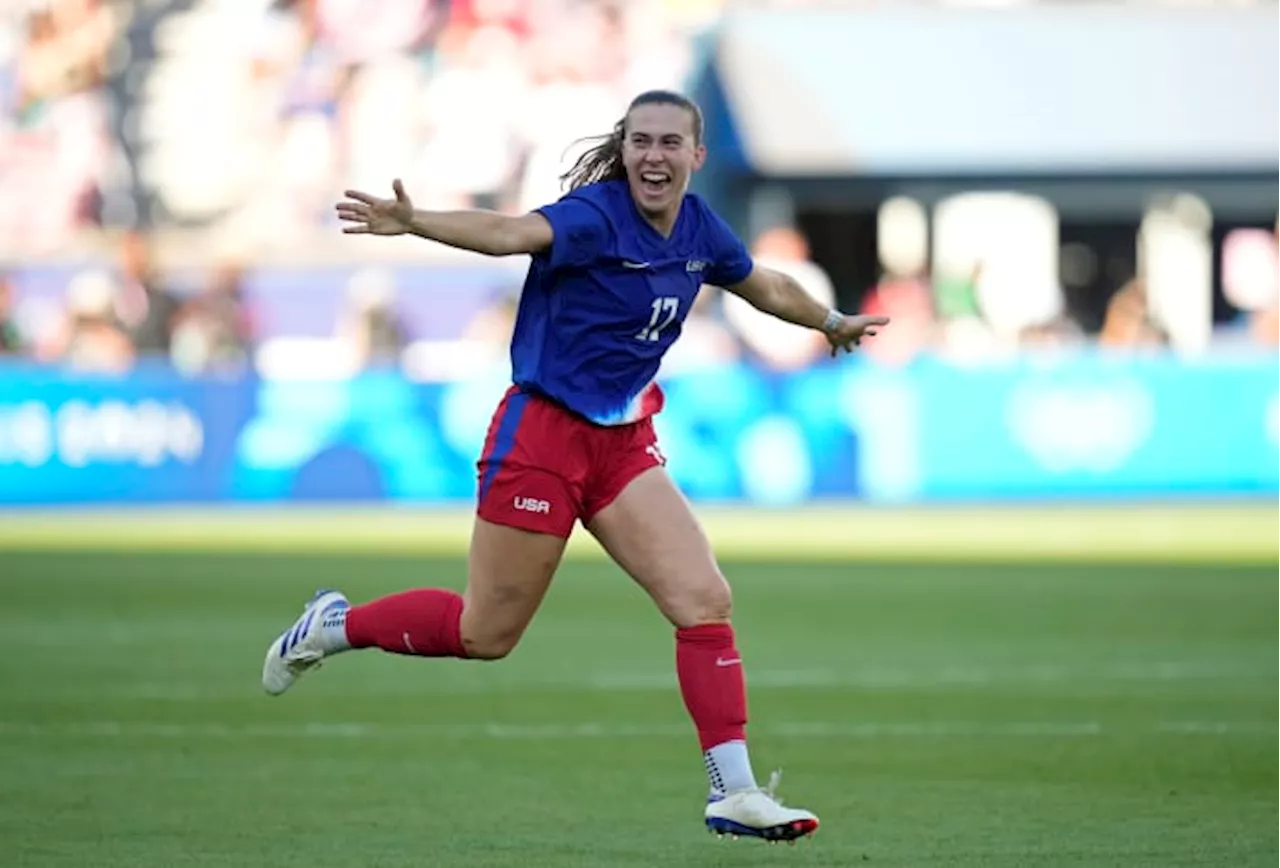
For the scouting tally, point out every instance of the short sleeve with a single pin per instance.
(580, 232)
(732, 263)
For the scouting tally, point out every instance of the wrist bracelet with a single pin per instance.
(833, 321)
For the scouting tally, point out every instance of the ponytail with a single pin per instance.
(602, 162)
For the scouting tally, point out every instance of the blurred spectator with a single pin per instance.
(144, 303)
(55, 144)
(493, 323)
(576, 60)
(659, 42)
(370, 327)
(1266, 323)
(1128, 322)
(1059, 333)
(469, 156)
(304, 73)
(1264, 327)
(1250, 268)
(91, 339)
(212, 331)
(362, 31)
(779, 344)
(10, 339)
(907, 302)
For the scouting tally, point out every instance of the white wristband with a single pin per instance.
(833, 321)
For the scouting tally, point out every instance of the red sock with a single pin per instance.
(712, 683)
(426, 622)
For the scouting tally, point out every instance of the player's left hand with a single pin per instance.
(852, 330)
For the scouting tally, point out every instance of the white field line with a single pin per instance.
(872, 677)
(859, 678)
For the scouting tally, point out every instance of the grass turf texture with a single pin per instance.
(932, 714)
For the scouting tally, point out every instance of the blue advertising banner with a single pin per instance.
(1076, 426)
(1087, 426)
(150, 437)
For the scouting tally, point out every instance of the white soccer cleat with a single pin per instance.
(757, 813)
(299, 648)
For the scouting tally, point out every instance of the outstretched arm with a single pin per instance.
(780, 295)
(486, 232)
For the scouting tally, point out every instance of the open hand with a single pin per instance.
(852, 330)
(374, 216)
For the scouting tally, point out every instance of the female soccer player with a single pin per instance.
(616, 264)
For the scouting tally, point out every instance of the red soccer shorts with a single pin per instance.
(544, 467)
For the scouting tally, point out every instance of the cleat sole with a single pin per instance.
(789, 832)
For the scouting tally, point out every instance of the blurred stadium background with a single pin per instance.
(1073, 231)
(1030, 530)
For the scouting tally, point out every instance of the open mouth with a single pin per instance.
(654, 183)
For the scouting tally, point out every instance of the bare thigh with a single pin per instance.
(508, 574)
(652, 533)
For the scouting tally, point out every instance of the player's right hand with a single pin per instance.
(374, 216)
(852, 330)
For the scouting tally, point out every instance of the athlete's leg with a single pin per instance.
(653, 535)
(649, 529)
(524, 517)
(508, 573)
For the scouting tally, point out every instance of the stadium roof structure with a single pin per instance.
(935, 94)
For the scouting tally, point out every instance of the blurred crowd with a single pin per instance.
(245, 115)
(104, 320)
(107, 318)
(242, 117)
(57, 151)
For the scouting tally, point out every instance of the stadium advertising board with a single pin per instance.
(1085, 427)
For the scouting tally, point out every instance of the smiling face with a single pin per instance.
(660, 151)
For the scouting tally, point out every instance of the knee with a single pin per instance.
(708, 602)
(487, 645)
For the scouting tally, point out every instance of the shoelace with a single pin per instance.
(771, 789)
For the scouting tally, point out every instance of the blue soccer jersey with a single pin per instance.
(603, 304)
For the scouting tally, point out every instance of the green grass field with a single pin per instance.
(1030, 712)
